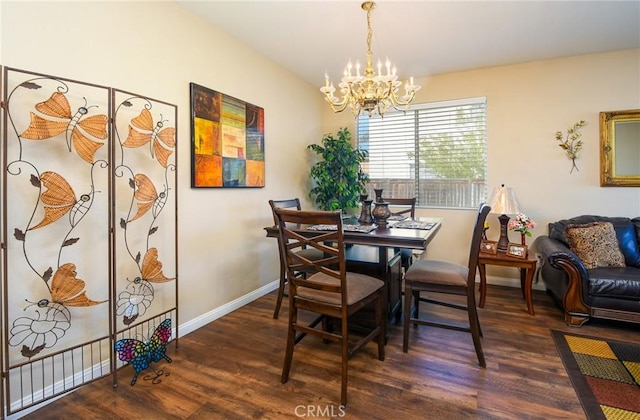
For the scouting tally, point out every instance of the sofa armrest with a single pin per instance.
(554, 251)
(560, 257)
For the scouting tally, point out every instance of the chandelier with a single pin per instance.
(371, 91)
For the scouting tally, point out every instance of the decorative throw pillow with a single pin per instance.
(595, 244)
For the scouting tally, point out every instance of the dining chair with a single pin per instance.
(331, 293)
(404, 207)
(313, 254)
(446, 278)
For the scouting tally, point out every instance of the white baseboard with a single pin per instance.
(229, 307)
(511, 282)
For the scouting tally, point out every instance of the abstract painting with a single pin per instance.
(227, 141)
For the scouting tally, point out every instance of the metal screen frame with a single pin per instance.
(50, 369)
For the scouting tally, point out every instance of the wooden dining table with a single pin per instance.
(377, 252)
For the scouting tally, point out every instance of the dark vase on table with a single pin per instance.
(365, 213)
(381, 210)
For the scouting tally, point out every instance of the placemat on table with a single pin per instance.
(414, 224)
(350, 228)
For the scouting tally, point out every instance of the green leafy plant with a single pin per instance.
(337, 176)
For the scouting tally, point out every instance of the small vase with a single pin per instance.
(365, 214)
(523, 239)
(378, 192)
(381, 213)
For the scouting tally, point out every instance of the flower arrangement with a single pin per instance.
(522, 223)
(571, 144)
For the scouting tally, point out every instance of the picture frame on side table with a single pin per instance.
(488, 247)
(517, 250)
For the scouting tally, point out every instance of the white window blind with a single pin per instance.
(435, 152)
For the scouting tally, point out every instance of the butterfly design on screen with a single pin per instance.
(147, 196)
(76, 125)
(140, 354)
(152, 268)
(161, 139)
(60, 199)
(68, 290)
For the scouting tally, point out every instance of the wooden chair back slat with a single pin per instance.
(402, 206)
(330, 242)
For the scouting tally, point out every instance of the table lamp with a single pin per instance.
(503, 201)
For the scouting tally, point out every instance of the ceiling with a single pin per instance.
(423, 38)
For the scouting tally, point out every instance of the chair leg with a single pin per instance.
(345, 360)
(408, 294)
(380, 322)
(474, 324)
(476, 306)
(326, 327)
(276, 311)
(291, 338)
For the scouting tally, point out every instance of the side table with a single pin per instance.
(527, 268)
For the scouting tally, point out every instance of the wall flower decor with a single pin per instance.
(571, 144)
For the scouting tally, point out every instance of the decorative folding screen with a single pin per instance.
(145, 253)
(89, 230)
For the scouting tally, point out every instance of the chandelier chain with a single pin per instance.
(369, 62)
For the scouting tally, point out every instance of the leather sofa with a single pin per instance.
(610, 292)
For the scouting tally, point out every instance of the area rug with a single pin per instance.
(604, 373)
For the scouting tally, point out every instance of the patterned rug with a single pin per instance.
(604, 373)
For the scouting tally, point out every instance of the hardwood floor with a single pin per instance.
(230, 369)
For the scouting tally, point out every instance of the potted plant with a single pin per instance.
(338, 179)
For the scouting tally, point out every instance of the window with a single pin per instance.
(436, 152)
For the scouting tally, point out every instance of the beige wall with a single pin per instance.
(526, 105)
(156, 49)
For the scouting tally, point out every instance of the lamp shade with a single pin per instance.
(503, 201)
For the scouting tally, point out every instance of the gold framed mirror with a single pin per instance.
(620, 148)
